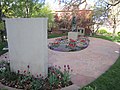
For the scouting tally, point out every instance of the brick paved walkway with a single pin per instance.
(87, 64)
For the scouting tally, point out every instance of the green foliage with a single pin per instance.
(2, 45)
(29, 8)
(104, 37)
(102, 31)
(1, 25)
(26, 9)
(108, 37)
(55, 79)
(37, 84)
(99, 10)
(56, 35)
(109, 34)
(5, 72)
(118, 34)
(89, 88)
(66, 77)
(110, 80)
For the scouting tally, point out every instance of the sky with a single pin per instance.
(55, 5)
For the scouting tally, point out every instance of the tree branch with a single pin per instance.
(113, 4)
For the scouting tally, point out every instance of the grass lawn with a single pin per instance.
(56, 35)
(115, 39)
(110, 80)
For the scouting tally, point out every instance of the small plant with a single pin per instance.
(66, 75)
(55, 79)
(89, 88)
(37, 84)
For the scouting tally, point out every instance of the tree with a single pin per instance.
(107, 11)
(24, 9)
(99, 13)
(72, 9)
(114, 14)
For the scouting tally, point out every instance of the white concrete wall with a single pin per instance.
(27, 41)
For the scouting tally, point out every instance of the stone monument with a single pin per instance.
(74, 34)
(27, 42)
(73, 24)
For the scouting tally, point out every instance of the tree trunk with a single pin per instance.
(114, 27)
(27, 10)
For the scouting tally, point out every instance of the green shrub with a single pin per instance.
(109, 34)
(1, 25)
(102, 31)
(2, 45)
(118, 34)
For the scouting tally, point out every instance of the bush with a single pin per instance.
(118, 34)
(2, 45)
(102, 31)
(109, 34)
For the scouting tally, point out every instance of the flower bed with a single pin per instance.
(65, 45)
(54, 80)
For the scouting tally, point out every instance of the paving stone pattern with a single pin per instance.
(87, 64)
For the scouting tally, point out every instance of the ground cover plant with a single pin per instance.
(54, 80)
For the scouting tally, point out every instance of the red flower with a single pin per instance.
(28, 66)
(49, 68)
(24, 71)
(68, 66)
(71, 40)
(18, 71)
(72, 45)
(56, 42)
(82, 41)
(64, 66)
(59, 67)
(37, 75)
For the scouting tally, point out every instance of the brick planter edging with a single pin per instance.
(6, 87)
(71, 87)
